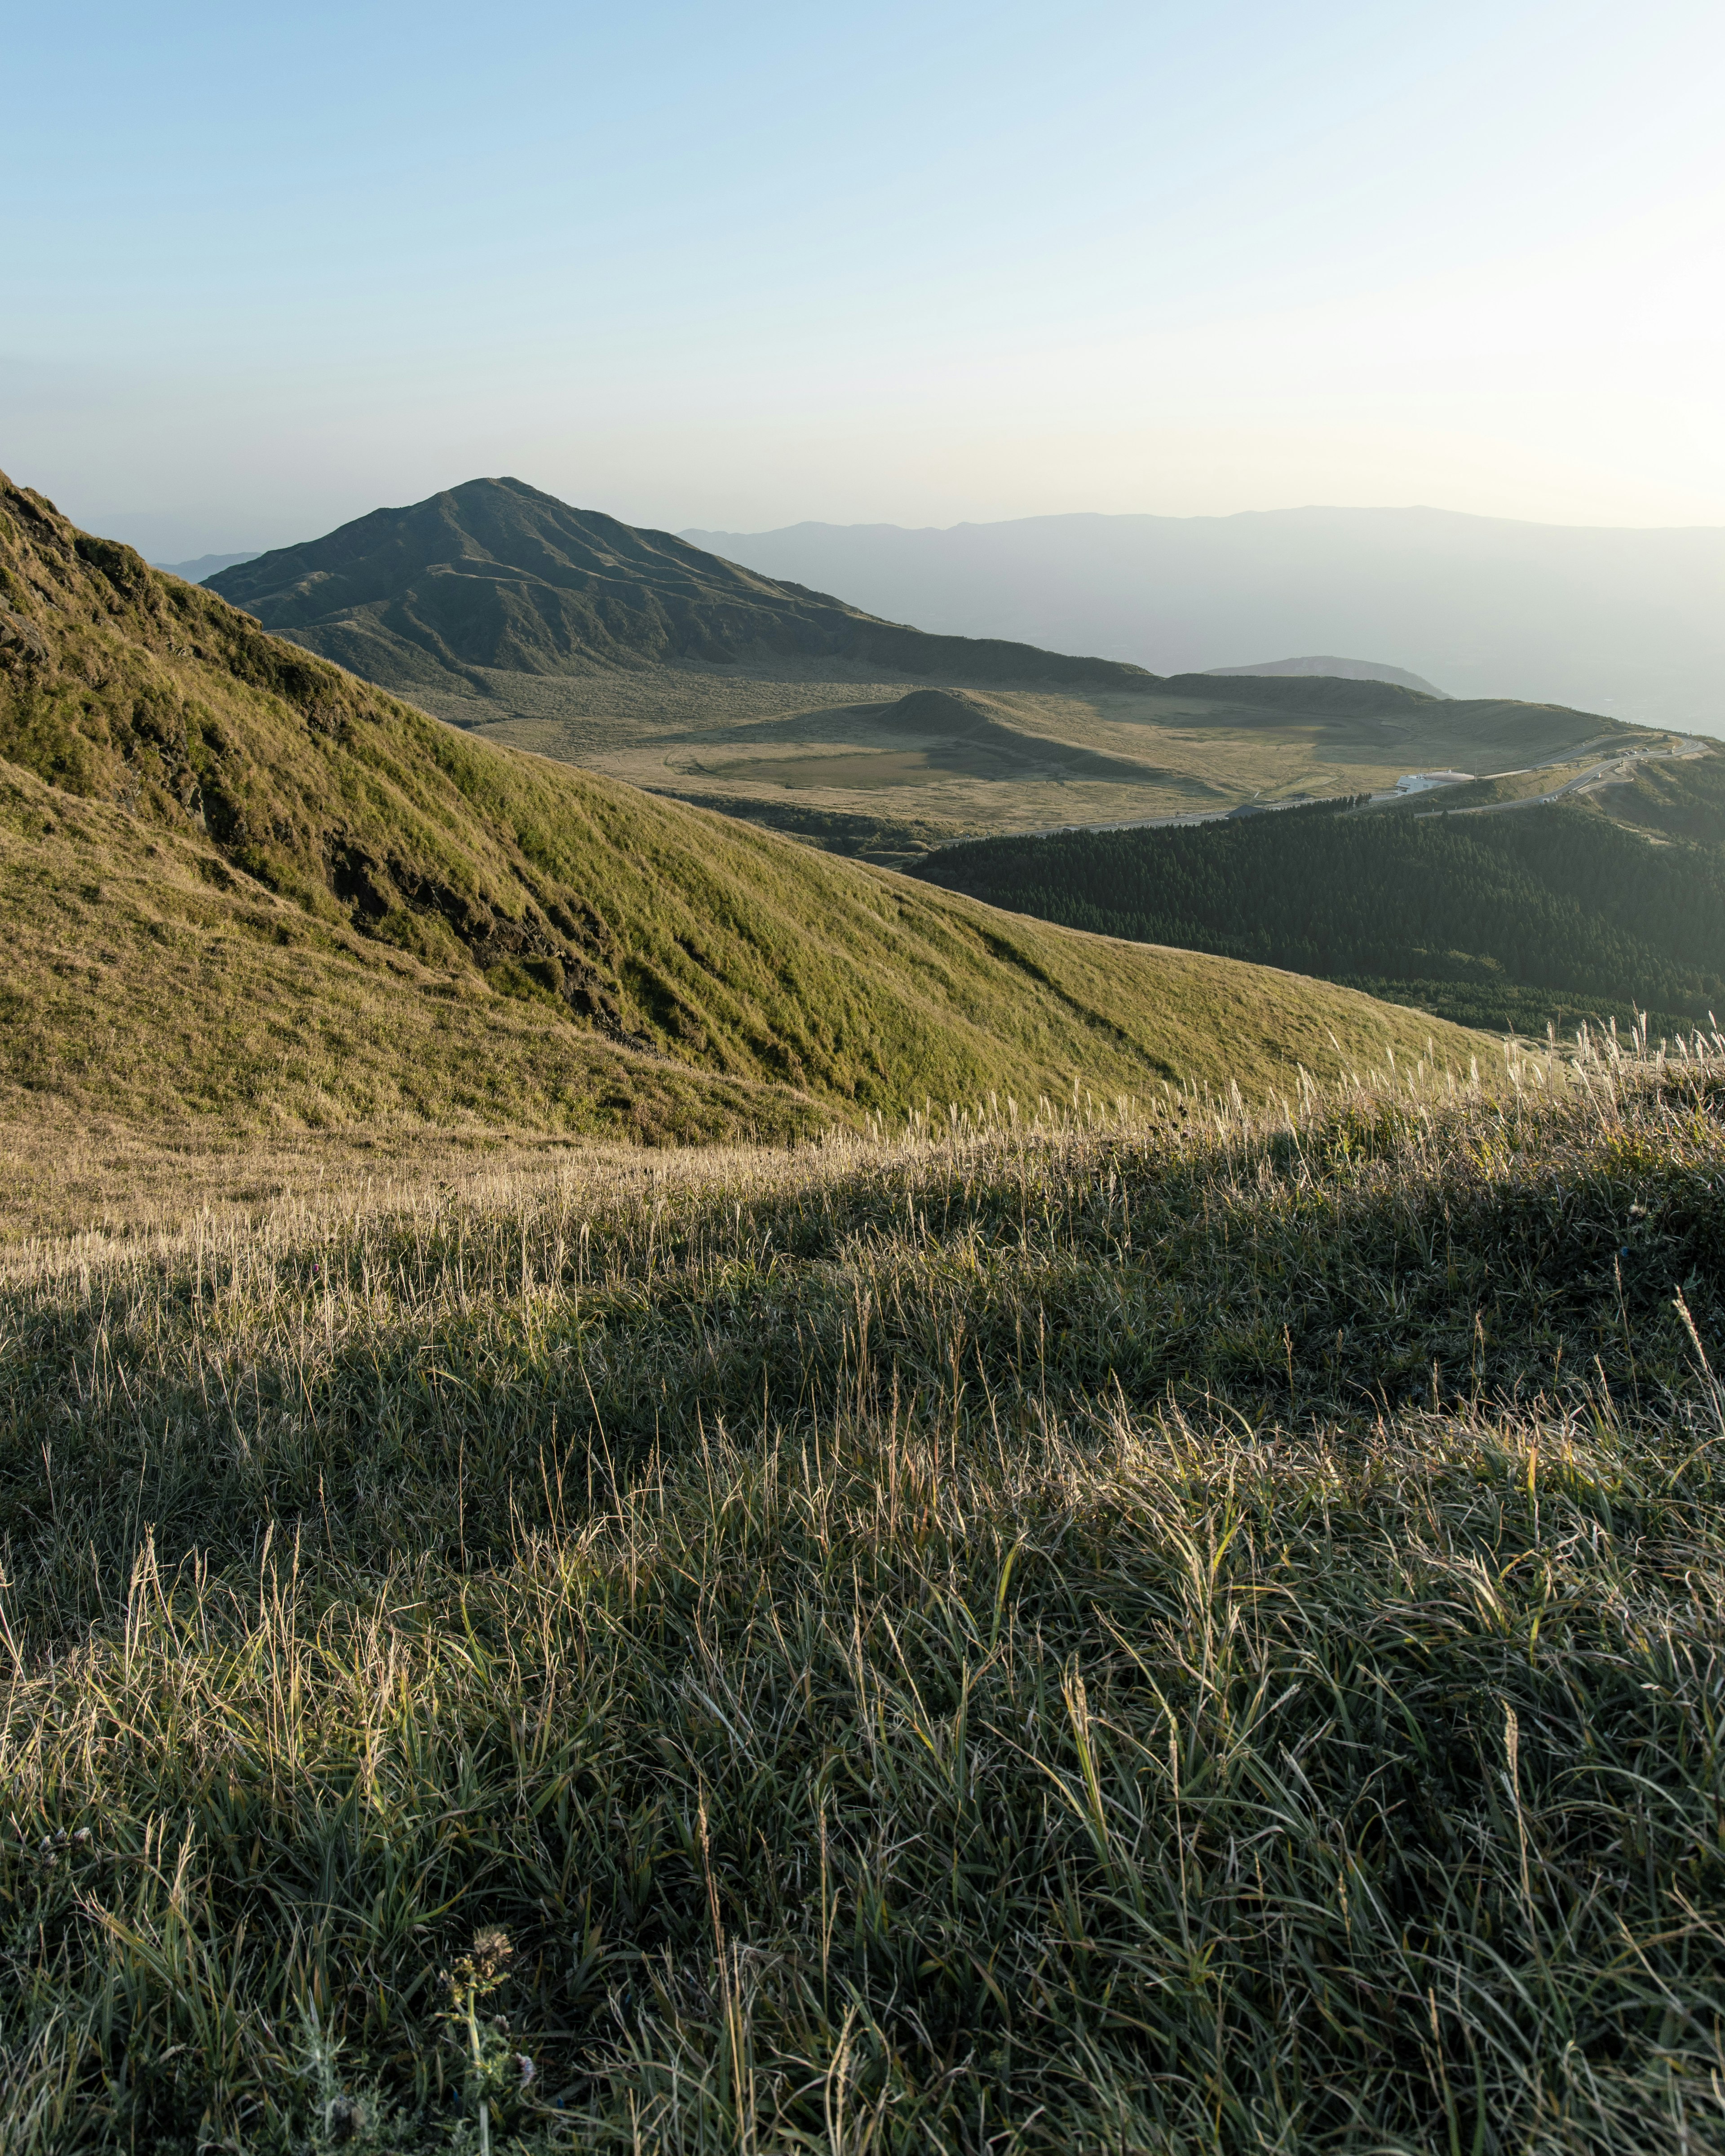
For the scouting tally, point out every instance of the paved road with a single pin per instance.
(1624, 766)
(1613, 771)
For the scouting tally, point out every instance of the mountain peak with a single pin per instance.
(494, 574)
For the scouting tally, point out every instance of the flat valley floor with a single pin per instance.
(821, 749)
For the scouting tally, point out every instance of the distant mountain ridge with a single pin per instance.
(496, 576)
(1631, 622)
(1331, 669)
(204, 566)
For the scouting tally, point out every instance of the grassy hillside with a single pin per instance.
(496, 576)
(1193, 1637)
(1683, 800)
(1289, 694)
(235, 878)
(1546, 914)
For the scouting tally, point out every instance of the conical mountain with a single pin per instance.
(495, 576)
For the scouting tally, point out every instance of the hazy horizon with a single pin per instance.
(1619, 620)
(922, 265)
(1624, 622)
(700, 534)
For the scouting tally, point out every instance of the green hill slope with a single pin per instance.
(234, 878)
(1549, 913)
(1682, 798)
(494, 575)
(1332, 695)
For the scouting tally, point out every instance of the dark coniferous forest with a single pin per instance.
(1515, 920)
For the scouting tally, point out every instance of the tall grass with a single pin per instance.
(1056, 1632)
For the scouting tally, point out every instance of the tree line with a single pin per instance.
(1548, 913)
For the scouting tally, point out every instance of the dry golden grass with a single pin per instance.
(819, 740)
(102, 1185)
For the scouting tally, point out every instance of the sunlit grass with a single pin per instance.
(1045, 1631)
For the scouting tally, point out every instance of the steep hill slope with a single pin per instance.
(493, 575)
(234, 878)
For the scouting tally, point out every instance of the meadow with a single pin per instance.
(800, 745)
(1038, 1630)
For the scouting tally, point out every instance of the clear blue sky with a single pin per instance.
(735, 267)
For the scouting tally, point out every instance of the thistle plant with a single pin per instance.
(495, 2072)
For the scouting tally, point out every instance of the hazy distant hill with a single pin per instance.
(1332, 668)
(565, 632)
(1630, 623)
(494, 576)
(205, 566)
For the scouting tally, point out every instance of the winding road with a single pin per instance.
(1615, 770)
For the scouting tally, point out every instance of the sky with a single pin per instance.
(738, 266)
